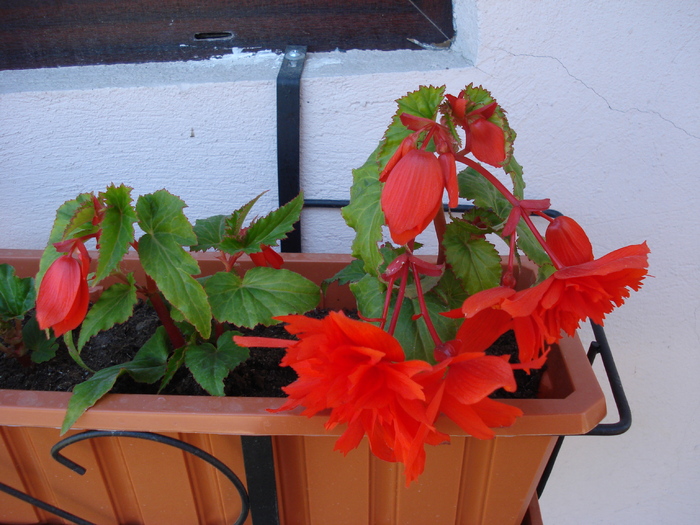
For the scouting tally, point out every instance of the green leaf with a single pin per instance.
(450, 291)
(117, 229)
(532, 249)
(42, 348)
(164, 259)
(147, 366)
(160, 213)
(209, 232)
(369, 294)
(177, 359)
(413, 335)
(87, 393)
(515, 171)
(353, 272)
(81, 223)
(424, 102)
(474, 260)
(364, 214)
(16, 294)
(263, 293)
(422, 345)
(115, 305)
(238, 217)
(172, 268)
(64, 214)
(267, 230)
(211, 364)
(474, 186)
(73, 351)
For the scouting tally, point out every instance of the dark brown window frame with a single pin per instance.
(51, 33)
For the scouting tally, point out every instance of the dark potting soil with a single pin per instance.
(259, 376)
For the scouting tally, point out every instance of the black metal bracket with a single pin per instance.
(288, 125)
(258, 459)
(165, 440)
(598, 347)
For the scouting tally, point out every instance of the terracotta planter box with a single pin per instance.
(469, 481)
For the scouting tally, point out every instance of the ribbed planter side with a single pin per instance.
(470, 481)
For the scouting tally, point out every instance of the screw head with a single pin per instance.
(293, 54)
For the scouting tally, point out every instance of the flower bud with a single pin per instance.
(568, 241)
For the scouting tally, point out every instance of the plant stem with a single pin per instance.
(424, 308)
(399, 300)
(555, 261)
(174, 334)
(489, 177)
(440, 227)
(514, 201)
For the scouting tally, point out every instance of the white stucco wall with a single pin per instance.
(605, 97)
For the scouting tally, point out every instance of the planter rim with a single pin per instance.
(577, 411)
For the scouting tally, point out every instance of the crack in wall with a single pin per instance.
(596, 93)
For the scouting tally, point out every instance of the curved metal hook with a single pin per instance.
(165, 440)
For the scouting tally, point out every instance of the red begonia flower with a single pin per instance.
(359, 372)
(538, 315)
(412, 195)
(461, 384)
(267, 257)
(63, 298)
(483, 138)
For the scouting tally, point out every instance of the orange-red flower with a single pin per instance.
(63, 297)
(359, 372)
(267, 257)
(483, 138)
(461, 383)
(415, 179)
(538, 315)
(412, 195)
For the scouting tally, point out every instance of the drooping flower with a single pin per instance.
(267, 257)
(412, 195)
(461, 383)
(415, 178)
(538, 315)
(63, 297)
(359, 372)
(483, 138)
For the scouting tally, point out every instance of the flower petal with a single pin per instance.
(58, 290)
(568, 241)
(488, 143)
(412, 195)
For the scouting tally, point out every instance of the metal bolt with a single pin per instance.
(294, 54)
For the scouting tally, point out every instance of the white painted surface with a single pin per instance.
(604, 97)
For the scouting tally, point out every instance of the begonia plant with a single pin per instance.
(419, 349)
(197, 313)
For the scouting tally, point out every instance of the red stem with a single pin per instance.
(423, 307)
(489, 177)
(555, 261)
(387, 300)
(514, 201)
(399, 300)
